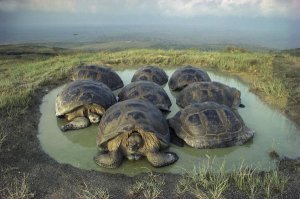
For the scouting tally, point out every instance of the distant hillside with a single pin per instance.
(294, 52)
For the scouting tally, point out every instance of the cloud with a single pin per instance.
(93, 6)
(40, 5)
(168, 8)
(190, 8)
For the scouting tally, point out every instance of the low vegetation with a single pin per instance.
(273, 153)
(2, 138)
(205, 181)
(274, 182)
(210, 180)
(149, 186)
(87, 192)
(19, 189)
(21, 76)
(246, 180)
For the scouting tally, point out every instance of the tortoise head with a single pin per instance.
(132, 145)
(236, 98)
(134, 141)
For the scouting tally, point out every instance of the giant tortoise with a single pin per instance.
(98, 73)
(209, 91)
(83, 102)
(146, 90)
(210, 125)
(185, 76)
(150, 73)
(132, 129)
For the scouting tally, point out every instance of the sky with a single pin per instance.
(271, 23)
(74, 12)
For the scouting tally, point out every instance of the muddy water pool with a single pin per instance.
(273, 131)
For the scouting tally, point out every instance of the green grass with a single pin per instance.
(210, 180)
(250, 182)
(149, 187)
(274, 182)
(22, 76)
(202, 183)
(92, 193)
(246, 180)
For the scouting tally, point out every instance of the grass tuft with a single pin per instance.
(19, 189)
(211, 181)
(3, 136)
(203, 183)
(92, 193)
(149, 187)
(274, 182)
(273, 153)
(246, 180)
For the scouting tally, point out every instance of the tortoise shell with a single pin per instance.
(146, 90)
(210, 125)
(98, 73)
(209, 91)
(83, 92)
(150, 73)
(185, 76)
(130, 115)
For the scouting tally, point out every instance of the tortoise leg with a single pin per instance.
(77, 123)
(110, 160)
(94, 118)
(161, 159)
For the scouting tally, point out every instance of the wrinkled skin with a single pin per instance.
(84, 121)
(132, 146)
(83, 102)
(133, 129)
(132, 149)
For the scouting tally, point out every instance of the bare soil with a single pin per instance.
(21, 154)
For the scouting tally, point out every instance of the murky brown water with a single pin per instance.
(273, 130)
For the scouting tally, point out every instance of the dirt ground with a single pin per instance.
(21, 154)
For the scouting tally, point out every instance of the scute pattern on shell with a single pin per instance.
(150, 73)
(131, 115)
(146, 90)
(209, 91)
(83, 92)
(98, 73)
(185, 76)
(210, 125)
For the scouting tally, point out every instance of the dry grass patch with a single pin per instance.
(202, 182)
(19, 189)
(149, 186)
(92, 193)
(3, 136)
(249, 181)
